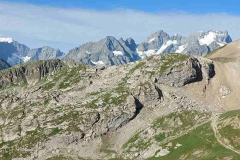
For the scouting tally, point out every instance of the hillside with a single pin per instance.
(170, 106)
(227, 66)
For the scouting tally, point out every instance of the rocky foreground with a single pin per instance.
(162, 107)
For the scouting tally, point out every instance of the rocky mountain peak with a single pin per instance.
(108, 51)
(177, 37)
(109, 39)
(199, 43)
(131, 44)
(158, 36)
(44, 53)
(15, 53)
(221, 37)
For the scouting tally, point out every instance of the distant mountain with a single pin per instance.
(12, 51)
(108, 51)
(199, 43)
(15, 53)
(44, 53)
(4, 64)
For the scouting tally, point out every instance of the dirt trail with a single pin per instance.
(217, 135)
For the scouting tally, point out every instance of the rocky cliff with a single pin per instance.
(29, 73)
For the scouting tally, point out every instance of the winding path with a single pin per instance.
(217, 135)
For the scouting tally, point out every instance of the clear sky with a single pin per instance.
(191, 6)
(67, 24)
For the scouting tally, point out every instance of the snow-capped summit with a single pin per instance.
(199, 43)
(219, 37)
(4, 39)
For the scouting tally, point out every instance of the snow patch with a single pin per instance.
(164, 46)
(151, 40)
(211, 37)
(8, 40)
(180, 49)
(26, 59)
(221, 44)
(88, 52)
(98, 62)
(141, 54)
(208, 39)
(117, 53)
(150, 52)
(144, 54)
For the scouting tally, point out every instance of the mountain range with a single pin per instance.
(110, 51)
(15, 53)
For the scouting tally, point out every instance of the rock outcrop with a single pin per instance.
(194, 69)
(31, 72)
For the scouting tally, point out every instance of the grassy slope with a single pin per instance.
(229, 128)
(198, 144)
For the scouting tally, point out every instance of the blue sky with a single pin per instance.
(190, 6)
(68, 24)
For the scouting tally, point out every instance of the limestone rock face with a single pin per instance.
(31, 72)
(193, 70)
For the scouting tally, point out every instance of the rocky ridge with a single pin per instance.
(80, 110)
